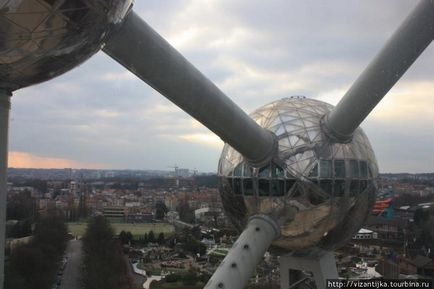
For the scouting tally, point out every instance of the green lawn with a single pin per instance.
(135, 229)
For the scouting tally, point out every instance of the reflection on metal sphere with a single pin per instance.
(326, 189)
(40, 39)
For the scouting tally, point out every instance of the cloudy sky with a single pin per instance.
(100, 116)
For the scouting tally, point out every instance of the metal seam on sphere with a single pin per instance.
(149, 56)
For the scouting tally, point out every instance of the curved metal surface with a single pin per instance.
(319, 192)
(41, 39)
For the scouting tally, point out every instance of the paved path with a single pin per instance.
(71, 274)
(137, 277)
(149, 280)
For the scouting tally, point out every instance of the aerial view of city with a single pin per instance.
(128, 159)
(170, 230)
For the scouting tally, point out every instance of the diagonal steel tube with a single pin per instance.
(145, 53)
(399, 53)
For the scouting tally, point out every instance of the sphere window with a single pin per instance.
(363, 185)
(237, 186)
(248, 187)
(263, 188)
(264, 172)
(354, 187)
(237, 170)
(314, 172)
(325, 168)
(289, 184)
(354, 168)
(340, 168)
(363, 169)
(277, 172)
(326, 186)
(277, 188)
(247, 170)
(339, 188)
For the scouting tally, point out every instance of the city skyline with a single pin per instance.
(101, 116)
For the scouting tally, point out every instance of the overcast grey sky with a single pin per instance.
(101, 116)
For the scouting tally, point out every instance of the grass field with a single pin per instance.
(78, 229)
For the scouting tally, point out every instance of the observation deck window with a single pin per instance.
(248, 187)
(363, 169)
(354, 187)
(339, 169)
(263, 187)
(339, 188)
(354, 168)
(277, 188)
(325, 169)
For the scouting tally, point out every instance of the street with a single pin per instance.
(71, 274)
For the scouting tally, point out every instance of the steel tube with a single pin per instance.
(5, 106)
(239, 264)
(399, 53)
(149, 56)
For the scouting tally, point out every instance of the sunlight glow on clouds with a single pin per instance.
(408, 102)
(208, 139)
(27, 160)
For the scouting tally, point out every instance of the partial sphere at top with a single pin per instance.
(41, 39)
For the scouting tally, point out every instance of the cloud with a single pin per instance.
(409, 103)
(204, 139)
(256, 52)
(27, 160)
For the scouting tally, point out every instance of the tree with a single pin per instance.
(160, 239)
(83, 210)
(103, 262)
(161, 210)
(123, 237)
(151, 237)
(34, 265)
(129, 237)
(189, 279)
(186, 214)
(172, 278)
(20, 206)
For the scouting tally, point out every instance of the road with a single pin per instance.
(71, 274)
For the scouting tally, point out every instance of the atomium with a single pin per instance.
(298, 173)
(319, 192)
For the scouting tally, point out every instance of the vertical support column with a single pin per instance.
(5, 106)
(239, 264)
(284, 275)
(322, 266)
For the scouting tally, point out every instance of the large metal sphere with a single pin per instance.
(40, 39)
(319, 192)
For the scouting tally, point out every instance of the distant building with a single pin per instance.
(365, 234)
(140, 218)
(391, 229)
(116, 214)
